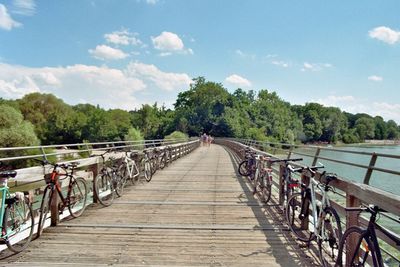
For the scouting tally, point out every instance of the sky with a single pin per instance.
(126, 53)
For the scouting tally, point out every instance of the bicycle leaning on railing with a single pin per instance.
(108, 182)
(76, 195)
(359, 246)
(289, 183)
(262, 178)
(309, 219)
(16, 216)
(248, 166)
(129, 170)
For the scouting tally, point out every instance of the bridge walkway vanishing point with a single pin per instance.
(196, 212)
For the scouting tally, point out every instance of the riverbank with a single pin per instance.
(382, 142)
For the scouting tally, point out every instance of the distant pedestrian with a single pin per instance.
(210, 139)
(204, 138)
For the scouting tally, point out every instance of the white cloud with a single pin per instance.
(24, 7)
(245, 55)
(6, 22)
(315, 66)
(168, 42)
(127, 88)
(375, 78)
(104, 52)
(388, 111)
(385, 34)
(237, 80)
(123, 37)
(280, 63)
(151, 2)
(164, 80)
(110, 88)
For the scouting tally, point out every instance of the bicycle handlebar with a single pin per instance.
(285, 160)
(371, 209)
(64, 166)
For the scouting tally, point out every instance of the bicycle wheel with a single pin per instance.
(145, 166)
(18, 224)
(153, 165)
(330, 233)
(119, 182)
(162, 161)
(104, 189)
(298, 223)
(355, 247)
(44, 210)
(265, 186)
(77, 196)
(244, 169)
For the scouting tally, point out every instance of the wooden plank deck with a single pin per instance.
(197, 212)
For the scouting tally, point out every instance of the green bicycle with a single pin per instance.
(16, 216)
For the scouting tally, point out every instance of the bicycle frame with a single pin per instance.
(133, 167)
(316, 213)
(4, 194)
(55, 184)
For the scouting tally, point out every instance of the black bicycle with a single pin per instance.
(359, 246)
(248, 166)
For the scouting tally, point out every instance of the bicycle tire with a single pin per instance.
(295, 223)
(44, 210)
(77, 197)
(104, 189)
(162, 161)
(359, 234)
(18, 220)
(146, 167)
(266, 187)
(120, 182)
(153, 165)
(243, 169)
(329, 249)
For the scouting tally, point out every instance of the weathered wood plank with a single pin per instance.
(197, 212)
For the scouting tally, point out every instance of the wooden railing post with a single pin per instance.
(315, 160)
(281, 183)
(95, 170)
(370, 168)
(352, 218)
(54, 211)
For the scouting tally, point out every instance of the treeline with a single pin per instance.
(205, 107)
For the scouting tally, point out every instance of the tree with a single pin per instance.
(392, 130)
(54, 121)
(202, 106)
(14, 131)
(365, 128)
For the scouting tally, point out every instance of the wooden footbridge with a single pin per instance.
(196, 212)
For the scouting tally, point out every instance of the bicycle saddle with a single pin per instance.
(8, 174)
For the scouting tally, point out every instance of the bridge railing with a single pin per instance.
(30, 174)
(348, 193)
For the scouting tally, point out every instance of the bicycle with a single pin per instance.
(288, 183)
(109, 181)
(129, 169)
(248, 166)
(16, 216)
(76, 195)
(324, 225)
(360, 246)
(263, 179)
(147, 165)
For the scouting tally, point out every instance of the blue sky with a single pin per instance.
(122, 54)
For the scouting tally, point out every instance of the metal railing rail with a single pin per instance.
(291, 149)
